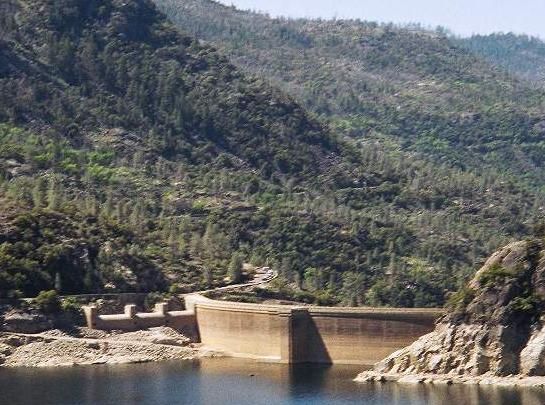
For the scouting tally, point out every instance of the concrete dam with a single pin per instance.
(285, 334)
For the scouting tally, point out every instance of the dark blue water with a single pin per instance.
(227, 381)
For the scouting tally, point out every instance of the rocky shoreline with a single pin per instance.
(82, 347)
(446, 379)
(493, 334)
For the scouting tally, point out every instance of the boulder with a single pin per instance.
(532, 357)
(23, 322)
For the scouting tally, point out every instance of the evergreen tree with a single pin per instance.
(38, 193)
(235, 268)
(58, 281)
(54, 194)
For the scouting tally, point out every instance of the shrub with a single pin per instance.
(324, 298)
(72, 309)
(176, 289)
(305, 297)
(235, 268)
(495, 274)
(48, 301)
(152, 299)
(459, 300)
(525, 305)
(70, 305)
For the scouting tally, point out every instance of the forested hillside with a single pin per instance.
(133, 158)
(521, 55)
(413, 86)
(113, 122)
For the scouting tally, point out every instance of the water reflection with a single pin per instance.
(228, 381)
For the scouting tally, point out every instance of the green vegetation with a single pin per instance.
(282, 290)
(507, 290)
(417, 88)
(396, 91)
(521, 55)
(496, 274)
(459, 300)
(122, 144)
(235, 268)
(134, 158)
(526, 305)
(71, 305)
(48, 302)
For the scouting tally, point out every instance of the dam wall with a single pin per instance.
(357, 336)
(308, 334)
(285, 334)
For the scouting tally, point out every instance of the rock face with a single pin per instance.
(23, 322)
(532, 357)
(495, 326)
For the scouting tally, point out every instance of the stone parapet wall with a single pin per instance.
(131, 320)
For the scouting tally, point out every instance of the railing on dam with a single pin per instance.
(288, 334)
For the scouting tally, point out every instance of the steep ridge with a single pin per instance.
(133, 158)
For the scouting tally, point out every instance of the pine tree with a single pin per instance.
(38, 196)
(196, 245)
(58, 281)
(89, 280)
(208, 277)
(54, 194)
(235, 268)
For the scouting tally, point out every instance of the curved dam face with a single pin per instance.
(308, 334)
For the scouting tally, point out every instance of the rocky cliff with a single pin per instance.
(495, 327)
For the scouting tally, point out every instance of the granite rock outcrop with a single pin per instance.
(495, 327)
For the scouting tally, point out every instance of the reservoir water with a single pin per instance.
(229, 381)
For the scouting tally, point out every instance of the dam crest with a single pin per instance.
(280, 333)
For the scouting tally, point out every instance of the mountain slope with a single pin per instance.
(521, 55)
(112, 120)
(151, 77)
(133, 158)
(414, 86)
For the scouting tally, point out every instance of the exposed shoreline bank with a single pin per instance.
(446, 379)
(55, 348)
